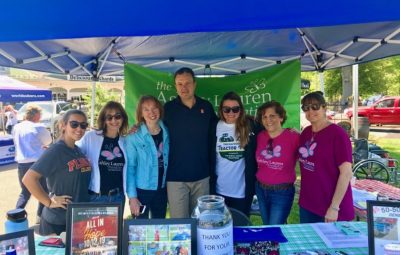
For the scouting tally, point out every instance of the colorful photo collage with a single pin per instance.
(94, 231)
(174, 239)
(19, 245)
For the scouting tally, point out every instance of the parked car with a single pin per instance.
(51, 113)
(385, 111)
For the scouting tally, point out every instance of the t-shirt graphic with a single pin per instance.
(308, 149)
(228, 148)
(269, 153)
(110, 155)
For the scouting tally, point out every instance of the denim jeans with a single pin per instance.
(309, 217)
(118, 198)
(25, 195)
(275, 205)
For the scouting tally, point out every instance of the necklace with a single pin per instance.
(154, 130)
(313, 134)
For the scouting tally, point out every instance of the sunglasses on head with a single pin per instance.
(227, 109)
(74, 124)
(314, 107)
(116, 116)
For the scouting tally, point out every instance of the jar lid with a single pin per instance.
(16, 215)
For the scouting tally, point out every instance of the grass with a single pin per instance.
(389, 144)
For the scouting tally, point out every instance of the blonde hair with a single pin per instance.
(31, 111)
(142, 100)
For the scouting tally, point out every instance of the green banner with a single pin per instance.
(279, 82)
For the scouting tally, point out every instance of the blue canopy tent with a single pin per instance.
(95, 38)
(12, 90)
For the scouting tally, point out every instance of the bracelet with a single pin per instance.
(335, 208)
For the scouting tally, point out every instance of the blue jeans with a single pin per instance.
(25, 195)
(309, 217)
(275, 205)
(117, 198)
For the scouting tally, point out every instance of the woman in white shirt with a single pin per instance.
(233, 148)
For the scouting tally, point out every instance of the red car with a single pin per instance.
(385, 111)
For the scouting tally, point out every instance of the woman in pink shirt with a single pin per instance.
(325, 164)
(276, 156)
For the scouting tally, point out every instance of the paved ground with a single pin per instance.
(9, 191)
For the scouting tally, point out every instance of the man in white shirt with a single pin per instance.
(30, 139)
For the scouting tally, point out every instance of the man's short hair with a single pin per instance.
(185, 70)
(31, 111)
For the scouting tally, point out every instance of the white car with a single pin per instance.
(51, 113)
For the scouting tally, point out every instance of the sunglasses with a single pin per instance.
(116, 116)
(74, 124)
(314, 107)
(227, 109)
(270, 146)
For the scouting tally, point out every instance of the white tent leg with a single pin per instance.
(355, 101)
(92, 105)
(322, 82)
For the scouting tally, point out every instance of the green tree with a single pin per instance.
(103, 95)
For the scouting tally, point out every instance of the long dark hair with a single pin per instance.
(112, 105)
(242, 129)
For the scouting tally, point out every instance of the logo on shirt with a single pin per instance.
(226, 138)
(308, 149)
(110, 155)
(228, 148)
(81, 164)
(271, 153)
(160, 149)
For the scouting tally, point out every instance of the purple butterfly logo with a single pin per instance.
(110, 155)
(308, 149)
(275, 152)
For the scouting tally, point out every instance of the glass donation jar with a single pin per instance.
(214, 226)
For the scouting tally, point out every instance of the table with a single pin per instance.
(383, 189)
(301, 237)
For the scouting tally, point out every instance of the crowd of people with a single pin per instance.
(180, 151)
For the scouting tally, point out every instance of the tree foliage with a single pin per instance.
(375, 77)
(103, 95)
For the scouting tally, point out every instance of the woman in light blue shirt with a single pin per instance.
(147, 151)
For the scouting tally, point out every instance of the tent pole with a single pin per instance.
(92, 105)
(355, 101)
(321, 82)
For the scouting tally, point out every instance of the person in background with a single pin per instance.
(11, 116)
(325, 156)
(276, 158)
(233, 162)
(105, 149)
(67, 171)
(30, 139)
(190, 121)
(148, 150)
